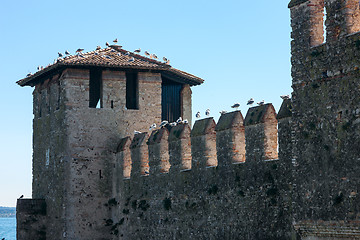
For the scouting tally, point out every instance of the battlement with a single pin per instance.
(233, 140)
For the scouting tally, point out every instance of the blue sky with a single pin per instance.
(241, 49)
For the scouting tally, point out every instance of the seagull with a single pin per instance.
(284, 97)
(80, 55)
(39, 68)
(119, 54)
(223, 112)
(179, 120)
(167, 62)
(197, 115)
(21, 196)
(136, 132)
(28, 75)
(131, 59)
(67, 52)
(79, 50)
(60, 54)
(108, 57)
(262, 102)
(107, 44)
(96, 53)
(112, 50)
(163, 123)
(115, 40)
(207, 112)
(137, 50)
(154, 56)
(173, 124)
(147, 53)
(250, 102)
(127, 54)
(165, 59)
(152, 127)
(236, 105)
(98, 48)
(185, 121)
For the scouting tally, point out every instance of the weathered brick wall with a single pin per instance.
(227, 199)
(325, 120)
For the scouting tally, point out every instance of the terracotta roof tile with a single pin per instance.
(115, 57)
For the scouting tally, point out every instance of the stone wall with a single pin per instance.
(326, 117)
(220, 195)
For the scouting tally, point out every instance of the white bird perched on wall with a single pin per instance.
(250, 101)
(67, 52)
(284, 97)
(207, 112)
(236, 105)
(223, 112)
(262, 102)
(137, 50)
(173, 124)
(136, 132)
(179, 120)
(197, 115)
(163, 123)
(60, 54)
(152, 127)
(185, 121)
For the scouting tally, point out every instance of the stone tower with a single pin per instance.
(82, 106)
(326, 117)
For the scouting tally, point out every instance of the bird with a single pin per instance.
(136, 132)
(154, 56)
(112, 50)
(79, 50)
(163, 123)
(108, 57)
(250, 101)
(185, 121)
(107, 44)
(98, 48)
(60, 54)
(67, 52)
(173, 124)
(262, 102)
(236, 105)
(119, 54)
(284, 97)
(127, 54)
(165, 59)
(179, 120)
(167, 62)
(39, 68)
(96, 53)
(223, 112)
(131, 59)
(147, 53)
(152, 127)
(115, 40)
(207, 112)
(21, 196)
(80, 55)
(28, 75)
(137, 50)
(197, 115)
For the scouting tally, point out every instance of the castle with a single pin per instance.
(287, 175)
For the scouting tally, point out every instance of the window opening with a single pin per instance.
(95, 89)
(170, 100)
(132, 90)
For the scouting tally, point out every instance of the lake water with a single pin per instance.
(8, 228)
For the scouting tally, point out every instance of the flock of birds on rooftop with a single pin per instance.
(79, 54)
(165, 123)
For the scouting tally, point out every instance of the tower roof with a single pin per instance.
(112, 57)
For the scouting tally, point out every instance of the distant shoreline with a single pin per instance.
(7, 212)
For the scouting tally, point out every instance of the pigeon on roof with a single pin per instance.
(67, 52)
(137, 50)
(236, 105)
(60, 54)
(262, 102)
(250, 101)
(98, 48)
(284, 97)
(197, 115)
(207, 112)
(163, 123)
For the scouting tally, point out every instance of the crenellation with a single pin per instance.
(159, 151)
(203, 143)
(139, 156)
(180, 148)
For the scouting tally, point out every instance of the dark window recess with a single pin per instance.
(132, 90)
(170, 101)
(95, 85)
